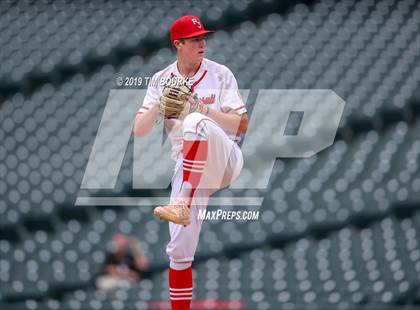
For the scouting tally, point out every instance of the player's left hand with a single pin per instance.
(175, 101)
(178, 100)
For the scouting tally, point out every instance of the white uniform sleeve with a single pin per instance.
(231, 100)
(152, 95)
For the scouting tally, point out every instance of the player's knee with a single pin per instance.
(192, 123)
(176, 254)
(180, 266)
(191, 120)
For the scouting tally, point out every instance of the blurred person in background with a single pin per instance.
(123, 265)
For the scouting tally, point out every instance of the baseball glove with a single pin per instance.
(175, 99)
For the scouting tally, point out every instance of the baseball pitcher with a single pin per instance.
(204, 117)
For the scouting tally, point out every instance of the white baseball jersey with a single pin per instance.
(213, 83)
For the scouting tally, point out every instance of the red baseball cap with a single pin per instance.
(187, 26)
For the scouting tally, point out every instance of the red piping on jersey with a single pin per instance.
(146, 108)
(197, 68)
(239, 108)
(199, 80)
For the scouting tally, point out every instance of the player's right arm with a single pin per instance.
(145, 120)
(148, 113)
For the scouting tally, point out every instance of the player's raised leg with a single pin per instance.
(206, 150)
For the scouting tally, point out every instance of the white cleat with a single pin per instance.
(176, 212)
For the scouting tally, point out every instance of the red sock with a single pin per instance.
(180, 288)
(195, 157)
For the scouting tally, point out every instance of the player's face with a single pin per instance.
(194, 48)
